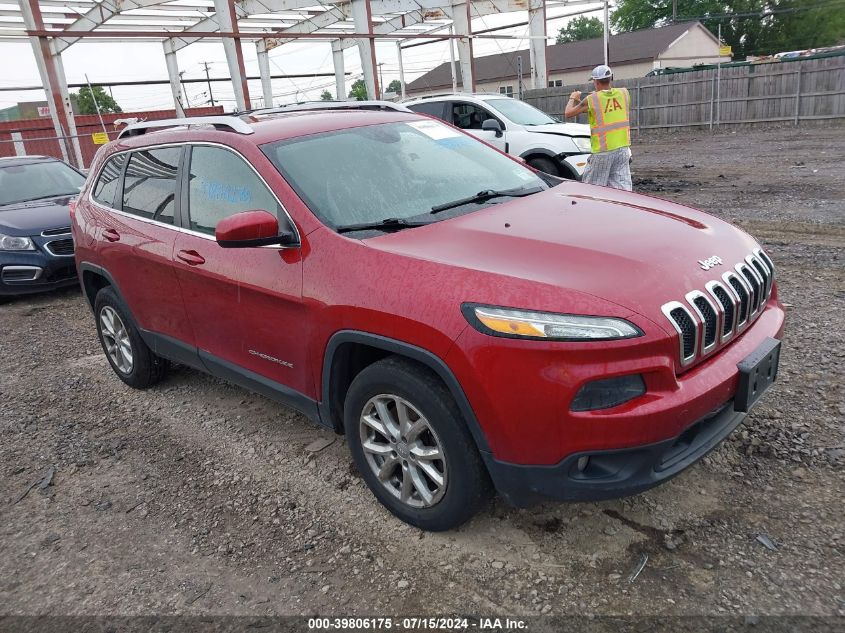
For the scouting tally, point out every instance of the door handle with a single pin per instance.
(111, 235)
(192, 258)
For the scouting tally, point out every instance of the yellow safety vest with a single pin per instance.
(609, 125)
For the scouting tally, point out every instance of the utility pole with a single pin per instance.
(184, 89)
(674, 11)
(452, 60)
(208, 79)
(519, 77)
(380, 79)
(606, 34)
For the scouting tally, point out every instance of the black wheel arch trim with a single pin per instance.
(540, 151)
(88, 267)
(558, 159)
(401, 348)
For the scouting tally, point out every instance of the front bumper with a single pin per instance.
(609, 474)
(577, 162)
(26, 272)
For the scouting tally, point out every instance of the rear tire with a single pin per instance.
(412, 446)
(130, 358)
(545, 165)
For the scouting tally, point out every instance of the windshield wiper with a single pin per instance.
(51, 195)
(484, 196)
(388, 224)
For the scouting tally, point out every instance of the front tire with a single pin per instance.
(545, 165)
(130, 358)
(412, 446)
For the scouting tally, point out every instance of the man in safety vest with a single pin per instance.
(610, 131)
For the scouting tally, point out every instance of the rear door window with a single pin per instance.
(469, 116)
(434, 108)
(222, 184)
(149, 187)
(107, 183)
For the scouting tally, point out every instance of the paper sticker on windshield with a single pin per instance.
(434, 130)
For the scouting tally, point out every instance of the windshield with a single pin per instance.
(396, 171)
(520, 112)
(19, 183)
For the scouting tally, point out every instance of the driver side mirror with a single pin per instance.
(492, 125)
(252, 228)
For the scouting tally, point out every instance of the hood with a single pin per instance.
(565, 129)
(635, 251)
(30, 218)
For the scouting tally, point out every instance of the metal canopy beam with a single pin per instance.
(228, 20)
(55, 86)
(391, 26)
(98, 15)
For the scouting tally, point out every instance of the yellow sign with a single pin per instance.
(100, 138)
(725, 51)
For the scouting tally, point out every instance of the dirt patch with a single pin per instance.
(197, 497)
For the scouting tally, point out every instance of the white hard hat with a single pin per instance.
(601, 72)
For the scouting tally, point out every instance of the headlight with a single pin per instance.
(583, 143)
(9, 243)
(547, 325)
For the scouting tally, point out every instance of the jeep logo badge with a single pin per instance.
(710, 262)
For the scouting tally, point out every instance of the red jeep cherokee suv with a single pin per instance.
(468, 323)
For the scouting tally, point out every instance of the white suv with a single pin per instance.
(513, 126)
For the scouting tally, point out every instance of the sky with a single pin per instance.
(136, 61)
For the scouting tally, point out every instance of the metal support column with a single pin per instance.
(452, 61)
(60, 110)
(173, 75)
(537, 42)
(68, 106)
(228, 21)
(264, 70)
(462, 22)
(339, 69)
(362, 17)
(401, 69)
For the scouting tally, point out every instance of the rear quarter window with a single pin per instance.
(108, 181)
(149, 186)
(433, 108)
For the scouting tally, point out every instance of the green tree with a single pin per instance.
(85, 101)
(326, 96)
(358, 91)
(750, 27)
(580, 28)
(395, 86)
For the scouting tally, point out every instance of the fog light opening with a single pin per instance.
(608, 392)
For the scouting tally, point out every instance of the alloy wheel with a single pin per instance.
(403, 451)
(116, 339)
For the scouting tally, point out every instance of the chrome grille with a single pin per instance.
(60, 247)
(707, 319)
(708, 316)
(763, 271)
(679, 316)
(62, 231)
(741, 292)
(726, 303)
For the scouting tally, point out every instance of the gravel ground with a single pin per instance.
(197, 497)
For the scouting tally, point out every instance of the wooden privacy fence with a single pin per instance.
(788, 91)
